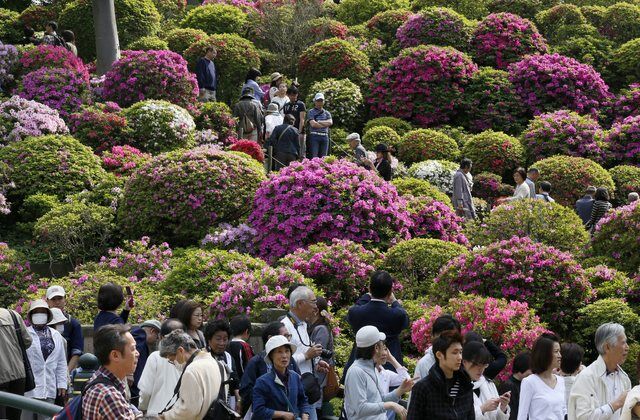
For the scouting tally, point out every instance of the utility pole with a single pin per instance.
(107, 44)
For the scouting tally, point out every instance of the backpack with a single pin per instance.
(58, 41)
(73, 410)
(247, 125)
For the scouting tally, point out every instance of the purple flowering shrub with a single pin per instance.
(494, 152)
(139, 260)
(423, 84)
(340, 269)
(50, 56)
(179, 195)
(141, 75)
(434, 219)
(563, 133)
(61, 89)
(504, 38)
(319, 200)
(549, 280)
(435, 26)
(8, 63)
(233, 238)
(623, 141)
(100, 127)
(627, 103)
(616, 237)
(20, 118)
(123, 160)
(611, 283)
(15, 275)
(551, 81)
(488, 186)
(216, 116)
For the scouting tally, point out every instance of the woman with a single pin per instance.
(570, 365)
(601, 205)
(272, 119)
(276, 80)
(542, 392)
(110, 298)
(250, 81)
(320, 333)
(522, 189)
(382, 164)
(190, 314)
(388, 378)
(279, 393)
(280, 97)
(47, 357)
(488, 404)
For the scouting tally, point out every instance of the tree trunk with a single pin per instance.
(107, 45)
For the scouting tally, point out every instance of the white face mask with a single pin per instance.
(60, 328)
(39, 319)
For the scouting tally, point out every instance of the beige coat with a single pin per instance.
(633, 398)
(12, 362)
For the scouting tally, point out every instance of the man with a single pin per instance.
(51, 37)
(545, 189)
(599, 391)
(585, 204)
(462, 191)
(206, 75)
(72, 333)
(319, 122)
(633, 196)
(447, 391)
(532, 177)
(296, 108)
(239, 348)
(521, 369)
(115, 348)
(249, 115)
(441, 324)
(355, 143)
(200, 381)
(146, 336)
(285, 141)
(12, 374)
(159, 377)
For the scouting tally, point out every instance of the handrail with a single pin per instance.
(29, 404)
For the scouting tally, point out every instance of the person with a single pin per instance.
(51, 37)
(199, 382)
(146, 336)
(381, 309)
(258, 367)
(355, 143)
(250, 82)
(542, 392)
(285, 140)
(276, 80)
(159, 377)
(115, 348)
(522, 189)
(110, 297)
(601, 206)
(446, 392)
(190, 314)
(532, 177)
(632, 196)
(57, 322)
(217, 335)
(521, 369)
(70, 39)
(570, 365)
(296, 108)
(249, 114)
(487, 403)
(585, 204)
(545, 190)
(279, 393)
(272, 119)
(499, 357)
(206, 75)
(72, 332)
(461, 197)
(363, 398)
(320, 332)
(47, 357)
(388, 378)
(280, 97)
(442, 323)
(382, 164)
(319, 122)
(12, 374)
(239, 349)
(599, 391)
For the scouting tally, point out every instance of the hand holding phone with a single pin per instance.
(130, 302)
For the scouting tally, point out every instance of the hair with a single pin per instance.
(174, 340)
(446, 340)
(476, 353)
(68, 36)
(545, 186)
(444, 323)
(572, 355)
(473, 336)
(602, 194)
(465, 163)
(252, 74)
(210, 48)
(533, 171)
(289, 119)
(322, 305)
(521, 172)
(292, 90)
(542, 352)
(110, 297)
(53, 24)
(273, 328)
(633, 196)
(239, 324)
(215, 326)
(28, 31)
(607, 333)
(170, 324)
(186, 310)
(108, 338)
(591, 189)
(293, 287)
(299, 293)
(365, 353)
(381, 284)
(522, 362)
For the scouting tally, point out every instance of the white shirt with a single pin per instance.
(539, 401)
(425, 364)
(388, 378)
(299, 337)
(521, 192)
(157, 383)
(281, 102)
(49, 375)
(488, 391)
(271, 122)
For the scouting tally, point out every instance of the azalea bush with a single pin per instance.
(384, 25)
(525, 8)
(568, 176)
(627, 103)
(494, 152)
(139, 260)
(623, 141)
(15, 275)
(593, 50)
(20, 118)
(178, 195)
(626, 179)
(353, 12)
(549, 280)
(232, 238)
(439, 173)
(124, 160)
(423, 84)
(488, 186)
(8, 63)
(437, 26)
(342, 97)
(625, 61)
(142, 75)
(398, 125)
(323, 28)
(380, 134)
(45, 55)
(216, 116)
(622, 22)
(179, 39)
(553, 20)
(288, 213)
(249, 147)
(216, 18)
(61, 89)
(100, 127)
(504, 38)
(435, 219)
(424, 144)
(420, 188)
(616, 237)
(611, 283)
(10, 26)
(333, 58)
(147, 43)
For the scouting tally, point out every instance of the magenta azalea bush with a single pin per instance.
(124, 160)
(15, 275)
(616, 237)
(549, 280)
(623, 141)
(552, 81)
(61, 89)
(433, 219)
(100, 127)
(139, 260)
(504, 38)
(488, 186)
(319, 200)
(627, 104)
(50, 56)
(436, 26)
(141, 75)
(20, 118)
(423, 84)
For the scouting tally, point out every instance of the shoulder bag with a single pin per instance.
(29, 380)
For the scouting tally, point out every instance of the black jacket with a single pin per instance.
(430, 398)
(513, 385)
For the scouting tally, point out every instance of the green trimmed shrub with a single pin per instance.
(179, 39)
(399, 126)
(594, 14)
(380, 134)
(342, 97)
(353, 12)
(170, 9)
(384, 25)
(630, 365)
(424, 144)
(616, 238)
(37, 205)
(420, 188)
(576, 31)
(524, 8)
(552, 20)
(495, 152)
(436, 26)
(468, 8)
(10, 28)
(147, 43)
(333, 58)
(216, 18)
(626, 62)
(621, 22)
(627, 179)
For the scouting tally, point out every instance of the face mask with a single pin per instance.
(39, 319)
(60, 328)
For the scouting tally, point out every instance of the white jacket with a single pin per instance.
(156, 384)
(488, 391)
(52, 374)
(633, 398)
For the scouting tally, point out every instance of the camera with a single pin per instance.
(326, 354)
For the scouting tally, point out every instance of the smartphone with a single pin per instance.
(130, 296)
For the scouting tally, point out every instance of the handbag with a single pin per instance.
(219, 409)
(29, 380)
(332, 386)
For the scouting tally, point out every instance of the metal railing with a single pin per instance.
(29, 404)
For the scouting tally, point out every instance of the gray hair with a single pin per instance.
(607, 333)
(633, 196)
(174, 340)
(300, 293)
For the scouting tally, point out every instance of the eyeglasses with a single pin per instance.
(313, 302)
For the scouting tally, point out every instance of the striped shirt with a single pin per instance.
(453, 385)
(107, 402)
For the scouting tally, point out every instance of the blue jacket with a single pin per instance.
(288, 143)
(584, 207)
(206, 74)
(269, 396)
(73, 334)
(108, 318)
(255, 369)
(143, 349)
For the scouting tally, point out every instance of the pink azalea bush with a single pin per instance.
(319, 200)
(623, 141)
(216, 116)
(62, 89)
(100, 127)
(20, 118)
(249, 147)
(616, 238)
(15, 275)
(50, 56)
(139, 260)
(423, 84)
(433, 219)
(627, 103)
(124, 160)
(488, 186)
(435, 26)
(504, 38)
(611, 283)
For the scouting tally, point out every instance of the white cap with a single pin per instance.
(58, 317)
(275, 342)
(353, 136)
(368, 336)
(318, 96)
(54, 291)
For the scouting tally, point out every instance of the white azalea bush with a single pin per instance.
(342, 98)
(439, 173)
